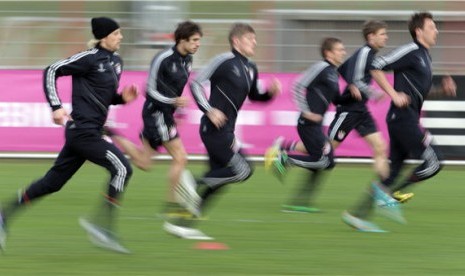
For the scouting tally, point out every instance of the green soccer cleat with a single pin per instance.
(280, 163)
(299, 209)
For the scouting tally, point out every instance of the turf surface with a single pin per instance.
(46, 239)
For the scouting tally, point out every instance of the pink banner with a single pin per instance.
(26, 125)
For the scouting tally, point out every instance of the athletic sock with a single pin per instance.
(207, 194)
(365, 207)
(106, 212)
(307, 190)
(404, 184)
(14, 205)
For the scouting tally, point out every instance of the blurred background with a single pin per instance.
(35, 33)
(262, 240)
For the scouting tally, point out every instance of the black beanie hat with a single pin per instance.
(103, 26)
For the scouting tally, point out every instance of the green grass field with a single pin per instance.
(47, 240)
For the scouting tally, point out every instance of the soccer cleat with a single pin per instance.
(186, 194)
(387, 205)
(360, 224)
(101, 237)
(299, 209)
(176, 213)
(185, 232)
(402, 197)
(180, 215)
(279, 165)
(382, 198)
(2, 233)
(272, 152)
(275, 160)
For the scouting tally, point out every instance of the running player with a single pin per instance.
(314, 91)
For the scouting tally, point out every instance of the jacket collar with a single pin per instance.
(241, 57)
(420, 45)
(98, 46)
(330, 63)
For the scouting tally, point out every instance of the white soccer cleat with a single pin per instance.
(360, 224)
(186, 193)
(185, 232)
(102, 238)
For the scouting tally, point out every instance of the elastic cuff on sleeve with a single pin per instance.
(56, 107)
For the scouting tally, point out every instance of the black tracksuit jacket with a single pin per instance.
(95, 79)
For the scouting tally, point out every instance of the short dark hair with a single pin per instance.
(239, 29)
(328, 44)
(185, 30)
(372, 26)
(417, 21)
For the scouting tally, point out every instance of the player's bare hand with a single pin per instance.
(217, 117)
(60, 116)
(181, 101)
(130, 93)
(401, 99)
(448, 86)
(355, 92)
(275, 87)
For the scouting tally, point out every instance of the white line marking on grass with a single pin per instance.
(249, 220)
(235, 220)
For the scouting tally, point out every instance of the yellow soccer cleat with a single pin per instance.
(402, 197)
(272, 153)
